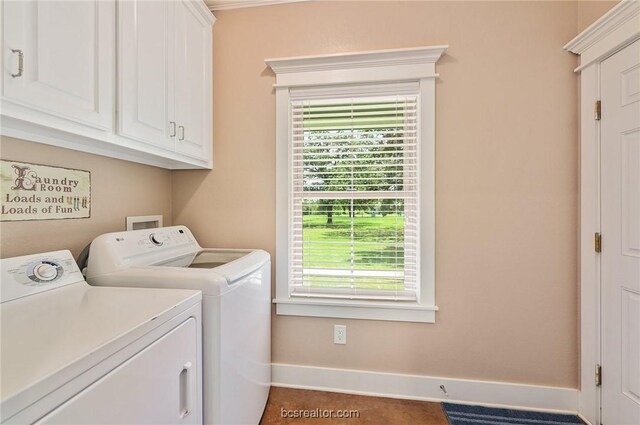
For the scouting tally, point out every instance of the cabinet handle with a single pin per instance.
(172, 129)
(186, 377)
(180, 133)
(20, 62)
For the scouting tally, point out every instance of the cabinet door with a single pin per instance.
(145, 72)
(193, 81)
(58, 58)
(158, 385)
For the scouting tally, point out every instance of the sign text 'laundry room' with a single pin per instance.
(42, 192)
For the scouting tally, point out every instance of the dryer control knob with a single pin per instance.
(45, 272)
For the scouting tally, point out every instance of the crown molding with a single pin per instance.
(611, 20)
(215, 5)
(616, 28)
(370, 59)
(410, 64)
(204, 11)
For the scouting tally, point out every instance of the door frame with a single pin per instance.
(611, 33)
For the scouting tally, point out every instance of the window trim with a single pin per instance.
(380, 72)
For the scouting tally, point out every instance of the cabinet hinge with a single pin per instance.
(598, 242)
(598, 375)
(597, 110)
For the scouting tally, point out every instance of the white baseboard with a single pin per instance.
(583, 419)
(427, 388)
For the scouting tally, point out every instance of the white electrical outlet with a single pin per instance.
(339, 334)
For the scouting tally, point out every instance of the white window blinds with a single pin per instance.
(354, 198)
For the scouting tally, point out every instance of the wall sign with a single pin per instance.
(42, 192)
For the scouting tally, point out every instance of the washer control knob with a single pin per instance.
(155, 240)
(45, 272)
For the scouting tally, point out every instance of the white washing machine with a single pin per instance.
(236, 308)
(76, 354)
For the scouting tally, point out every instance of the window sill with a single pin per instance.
(348, 309)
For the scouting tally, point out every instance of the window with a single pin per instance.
(354, 198)
(355, 185)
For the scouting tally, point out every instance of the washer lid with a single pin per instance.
(52, 337)
(215, 281)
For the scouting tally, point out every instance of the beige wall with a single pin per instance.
(589, 11)
(118, 189)
(506, 180)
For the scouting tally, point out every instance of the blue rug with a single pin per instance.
(461, 414)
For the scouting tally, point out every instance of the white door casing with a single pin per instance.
(620, 206)
(67, 52)
(616, 29)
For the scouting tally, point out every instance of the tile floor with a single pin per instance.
(286, 403)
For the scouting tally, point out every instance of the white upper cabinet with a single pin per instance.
(58, 58)
(165, 75)
(145, 71)
(193, 86)
(129, 79)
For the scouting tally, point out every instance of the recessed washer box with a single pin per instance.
(140, 222)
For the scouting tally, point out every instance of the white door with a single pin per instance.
(193, 81)
(146, 72)
(620, 150)
(156, 386)
(58, 58)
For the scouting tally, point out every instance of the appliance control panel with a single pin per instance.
(151, 241)
(31, 274)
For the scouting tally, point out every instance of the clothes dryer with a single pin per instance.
(71, 353)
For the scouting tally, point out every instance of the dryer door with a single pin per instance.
(156, 386)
